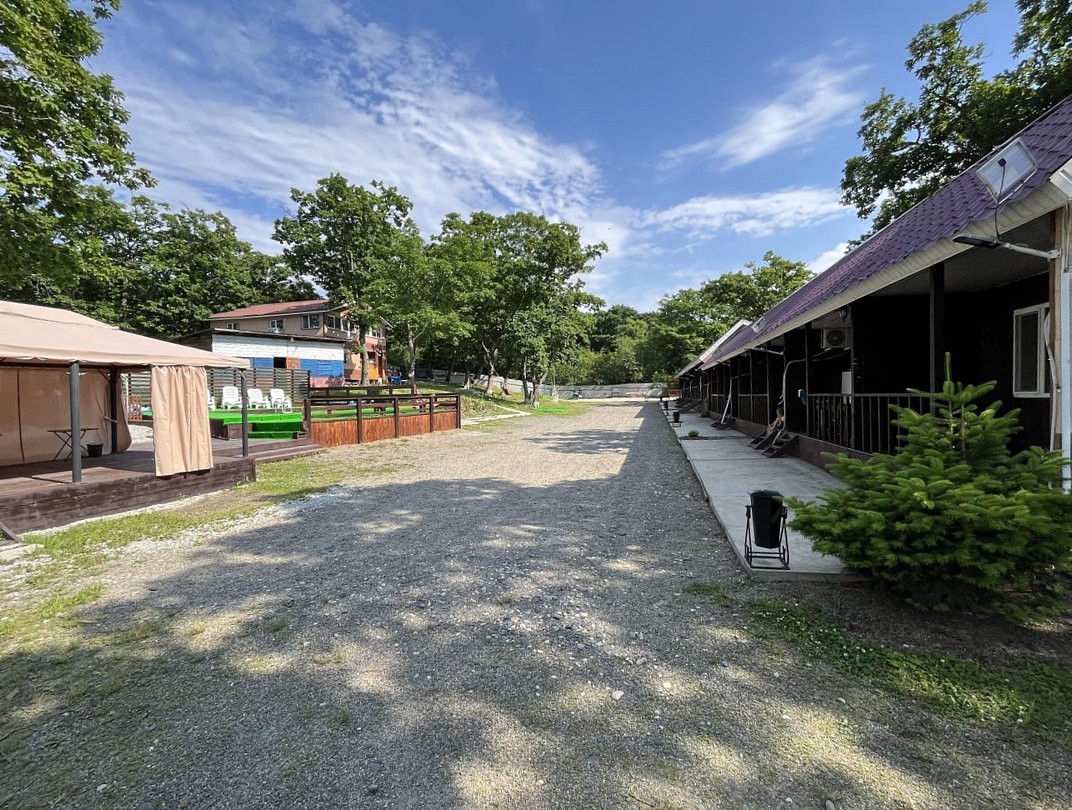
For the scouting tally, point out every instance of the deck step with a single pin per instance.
(780, 446)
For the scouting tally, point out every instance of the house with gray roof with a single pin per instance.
(979, 269)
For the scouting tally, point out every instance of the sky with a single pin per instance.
(691, 137)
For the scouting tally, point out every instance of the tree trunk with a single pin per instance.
(525, 381)
(362, 332)
(411, 347)
(537, 384)
(490, 355)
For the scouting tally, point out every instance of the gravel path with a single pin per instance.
(500, 623)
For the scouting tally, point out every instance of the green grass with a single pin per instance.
(80, 546)
(714, 591)
(1037, 697)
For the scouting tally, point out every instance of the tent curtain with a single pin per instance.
(34, 401)
(181, 435)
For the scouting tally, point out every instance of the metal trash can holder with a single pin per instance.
(766, 529)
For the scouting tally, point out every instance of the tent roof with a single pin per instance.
(47, 336)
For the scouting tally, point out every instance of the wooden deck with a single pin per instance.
(41, 496)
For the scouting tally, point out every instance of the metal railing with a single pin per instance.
(862, 422)
(753, 408)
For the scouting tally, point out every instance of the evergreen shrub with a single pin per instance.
(953, 519)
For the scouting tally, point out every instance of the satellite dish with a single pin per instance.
(1006, 169)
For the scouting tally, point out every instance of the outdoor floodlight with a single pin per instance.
(991, 242)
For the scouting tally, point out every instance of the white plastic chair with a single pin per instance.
(256, 398)
(231, 397)
(211, 401)
(280, 400)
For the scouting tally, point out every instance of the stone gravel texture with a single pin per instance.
(499, 623)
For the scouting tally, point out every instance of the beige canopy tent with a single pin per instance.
(59, 381)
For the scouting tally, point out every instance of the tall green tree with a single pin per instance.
(422, 297)
(61, 126)
(346, 237)
(161, 273)
(690, 320)
(913, 148)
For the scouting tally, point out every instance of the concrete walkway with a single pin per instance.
(728, 469)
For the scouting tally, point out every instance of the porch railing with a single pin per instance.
(753, 408)
(862, 422)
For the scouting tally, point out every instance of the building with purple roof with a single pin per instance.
(979, 269)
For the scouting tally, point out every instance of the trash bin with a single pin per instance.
(95, 450)
(767, 517)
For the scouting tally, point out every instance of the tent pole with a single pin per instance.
(113, 401)
(76, 424)
(244, 388)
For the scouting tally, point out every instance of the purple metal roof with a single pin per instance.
(944, 214)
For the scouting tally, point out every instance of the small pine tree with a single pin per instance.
(952, 520)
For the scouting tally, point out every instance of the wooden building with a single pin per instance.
(980, 269)
(315, 319)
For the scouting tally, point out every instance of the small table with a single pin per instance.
(66, 437)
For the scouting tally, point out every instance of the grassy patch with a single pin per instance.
(715, 591)
(1037, 697)
(276, 483)
(75, 550)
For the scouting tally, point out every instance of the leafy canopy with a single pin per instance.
(913, 148)
(61, 126)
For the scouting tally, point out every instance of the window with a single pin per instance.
(333, 322)
(1029, 352)
(276, 325)
(310, 321)
(232, 325)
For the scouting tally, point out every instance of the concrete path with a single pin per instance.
(728, 469)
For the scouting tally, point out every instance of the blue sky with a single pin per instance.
(690, 136)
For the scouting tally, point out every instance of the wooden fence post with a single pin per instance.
(360, 423)
(431, 412)
(398, 421)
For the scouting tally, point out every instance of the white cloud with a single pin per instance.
(749, 215)
(269, 109)
(826, 259)
(819, 96)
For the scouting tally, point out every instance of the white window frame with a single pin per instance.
(276, 323)
(1042, 310)
(232, 325)
(307, 321)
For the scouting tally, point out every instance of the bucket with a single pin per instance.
(95, 450)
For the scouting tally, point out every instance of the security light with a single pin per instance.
(991, 242)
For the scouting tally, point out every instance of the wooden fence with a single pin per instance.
(342, 418)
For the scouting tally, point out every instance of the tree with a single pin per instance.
(422, 297)
(608, 326)
(150, 270)
(690, 320)
(346, 237)
(746, 295)
(952, 520)
(61, 125)
(911, 149)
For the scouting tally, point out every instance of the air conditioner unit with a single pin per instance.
(838, 338)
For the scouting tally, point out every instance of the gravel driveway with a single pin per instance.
(499, 623)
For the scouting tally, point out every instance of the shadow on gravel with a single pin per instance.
(592, 440)
(457, 643)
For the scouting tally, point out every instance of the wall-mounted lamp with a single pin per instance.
(991, 242)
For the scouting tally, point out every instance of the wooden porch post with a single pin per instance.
(808, 332)
(113, 407)
(937, 325)
(243, 392)
(76, 423)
